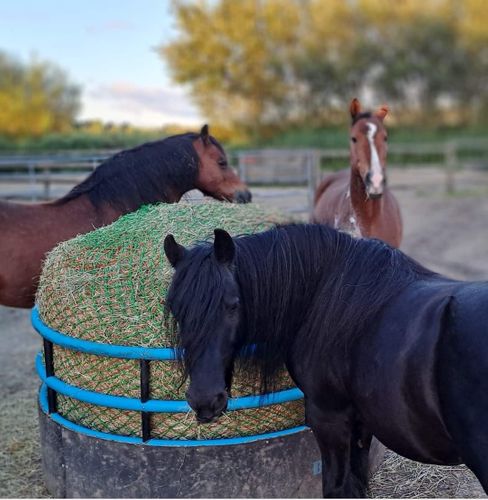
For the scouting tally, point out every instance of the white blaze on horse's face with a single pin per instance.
(376, 177)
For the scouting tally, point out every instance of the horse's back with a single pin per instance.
(28, 232)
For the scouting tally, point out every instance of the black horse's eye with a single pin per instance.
(353, 139)
(222, 163)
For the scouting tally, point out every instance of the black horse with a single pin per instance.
(377, 343)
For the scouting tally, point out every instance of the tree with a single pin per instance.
(234, 55)
(35, 98)
(258, 66)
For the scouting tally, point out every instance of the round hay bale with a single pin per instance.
(108, 287)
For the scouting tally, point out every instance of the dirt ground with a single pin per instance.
(447, 233)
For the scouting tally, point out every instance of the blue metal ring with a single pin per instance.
(154, 405)
(110, 350)
(56, 417)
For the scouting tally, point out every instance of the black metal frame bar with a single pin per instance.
(145, 390)
(49, 360)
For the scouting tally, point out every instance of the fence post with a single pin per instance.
(241, 167)
(47, 183)
(312, 171)
(32, 180)
(451, 163)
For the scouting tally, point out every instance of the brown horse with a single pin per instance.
(358, 200)
(160, 171)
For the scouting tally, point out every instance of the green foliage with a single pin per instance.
(81, 140)
(337, 137)
(261, 67)
(35, 98)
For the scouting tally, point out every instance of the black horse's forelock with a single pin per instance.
(305, 290)
(142, 175)
(200, 277)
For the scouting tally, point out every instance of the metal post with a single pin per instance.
(49, 362)
(145, 416)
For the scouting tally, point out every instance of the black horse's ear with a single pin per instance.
(205, 135)
(224, 247)
(174, 252)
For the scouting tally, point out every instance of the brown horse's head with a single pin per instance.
(216, 177)
(369, 147)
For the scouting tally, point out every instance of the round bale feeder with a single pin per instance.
(113, 416)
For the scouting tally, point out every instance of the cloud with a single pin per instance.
(144, 106)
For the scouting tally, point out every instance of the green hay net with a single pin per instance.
(109, 286)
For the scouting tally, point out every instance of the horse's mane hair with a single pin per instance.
(360, 116)
(306, 289)
(142, 175)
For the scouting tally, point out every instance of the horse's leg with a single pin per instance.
(360, 445)
(344, 461)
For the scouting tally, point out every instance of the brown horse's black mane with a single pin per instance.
(142, 175)
(303, 287)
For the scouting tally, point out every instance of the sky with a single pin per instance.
(106, 46)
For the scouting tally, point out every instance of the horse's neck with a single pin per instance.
(279, 289)
(365, 209)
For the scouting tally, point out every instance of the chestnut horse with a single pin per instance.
(160, 171)
(358, 200)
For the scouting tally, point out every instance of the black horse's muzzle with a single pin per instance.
(243, 197)
(208, 410)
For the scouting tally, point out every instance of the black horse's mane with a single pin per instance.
(145, 174)
(304, 288)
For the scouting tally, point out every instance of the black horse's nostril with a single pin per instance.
(243, 196)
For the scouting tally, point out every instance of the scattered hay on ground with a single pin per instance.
(20, 460)
(399, 477)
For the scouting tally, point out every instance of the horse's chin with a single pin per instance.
(242, 197)
(375, 196)
(208, 420)
(237, 197)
